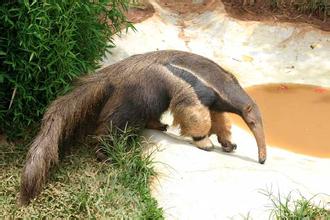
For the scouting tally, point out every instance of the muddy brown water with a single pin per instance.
(296, 117)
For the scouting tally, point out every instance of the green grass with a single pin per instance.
(319, 7)
(298, 208)
(80, 187)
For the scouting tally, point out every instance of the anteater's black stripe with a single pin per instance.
(205, 94)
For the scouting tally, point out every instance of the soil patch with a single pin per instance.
(296, 117)
(3, 140)
(263, 11)
(139, 13)
(189, 6)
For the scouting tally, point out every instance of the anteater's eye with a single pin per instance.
(248, 108)
(252, 124)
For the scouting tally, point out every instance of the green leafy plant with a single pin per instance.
(44, 46)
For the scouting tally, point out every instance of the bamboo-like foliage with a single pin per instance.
(46, 44)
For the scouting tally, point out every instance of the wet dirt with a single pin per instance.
(296, 117)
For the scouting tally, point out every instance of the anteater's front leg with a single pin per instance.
(221, 127)
(194, 121)
(156, 125)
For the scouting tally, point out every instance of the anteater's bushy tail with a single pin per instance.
(64, 118)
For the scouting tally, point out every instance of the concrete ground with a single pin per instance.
(194, 184)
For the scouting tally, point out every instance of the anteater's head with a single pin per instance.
(233, 98)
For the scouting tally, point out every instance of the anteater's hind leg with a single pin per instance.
(221, 127)
(194, 121)
(100, 153)
(116, 119)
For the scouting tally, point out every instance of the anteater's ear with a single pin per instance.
(248, 108)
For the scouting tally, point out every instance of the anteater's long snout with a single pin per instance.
(259, 135)
(252, 118)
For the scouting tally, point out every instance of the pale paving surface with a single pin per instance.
(194, 184)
